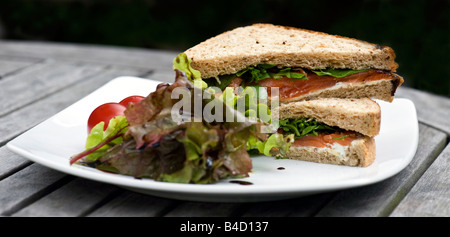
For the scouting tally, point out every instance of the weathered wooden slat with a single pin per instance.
(131, 204)
(39, 81)
(381, 198)
(432, 109)
(26, 186)
(73, 199)
(430, 196)
(125, 56)
(10, 162)
(164, 75)
(10, 64)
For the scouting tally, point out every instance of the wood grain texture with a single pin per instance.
(433, 110)
(75, 198)
(11, 162)
(11, 64)
(39, 81)
(26, 186)
(108, 55)
(430, 196)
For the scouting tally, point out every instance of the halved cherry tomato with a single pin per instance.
(105, 112)
(131, 99)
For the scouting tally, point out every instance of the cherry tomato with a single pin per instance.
(105, 112)
(131, 99)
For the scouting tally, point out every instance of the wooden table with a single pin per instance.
(37, 80)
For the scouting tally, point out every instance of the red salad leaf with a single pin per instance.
(191, 151)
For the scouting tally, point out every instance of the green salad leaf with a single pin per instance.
(257, 73)
(247, 101)
(337, 72)
(302, 127)
(286, 72)
(276, 145)
(263, 71)
(183, 63)
(253, 74)
(220, 83)
(111, 136)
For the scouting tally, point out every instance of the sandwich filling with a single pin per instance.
(323, 140)
(296, 82)
(289, 88)
(311, 133)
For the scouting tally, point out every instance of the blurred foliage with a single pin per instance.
(418, 31)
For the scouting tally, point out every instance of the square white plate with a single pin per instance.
(55, 140)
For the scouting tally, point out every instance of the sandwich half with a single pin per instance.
(325, 83)
(332, 130)
(303, 64)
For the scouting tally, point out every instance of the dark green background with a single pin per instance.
(418, 31)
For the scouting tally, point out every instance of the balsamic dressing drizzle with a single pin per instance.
(241, 182)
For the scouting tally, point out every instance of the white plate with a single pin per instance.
(55, 140)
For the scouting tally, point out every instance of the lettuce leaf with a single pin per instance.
(275, 145)
(302, 127)
(221, 83)
(337, 72)
(253, 74)
(246, 100)
(151, 162)
(151, 119)
(99, 140)
(228, 97)
(183, 63)
(286, 72)
(263, 71)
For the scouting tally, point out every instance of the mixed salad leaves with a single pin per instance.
(145, 142)
(139, 137)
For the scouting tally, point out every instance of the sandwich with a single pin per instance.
(332, 130)
(326, 86)
(303, 64)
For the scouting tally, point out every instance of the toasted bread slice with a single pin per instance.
(359, 115)
(234, 50)
(361, 152)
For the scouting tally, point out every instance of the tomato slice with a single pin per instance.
(131, 99)
(104, 113)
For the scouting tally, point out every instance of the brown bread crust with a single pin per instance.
(283, 46)
(359, 115)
